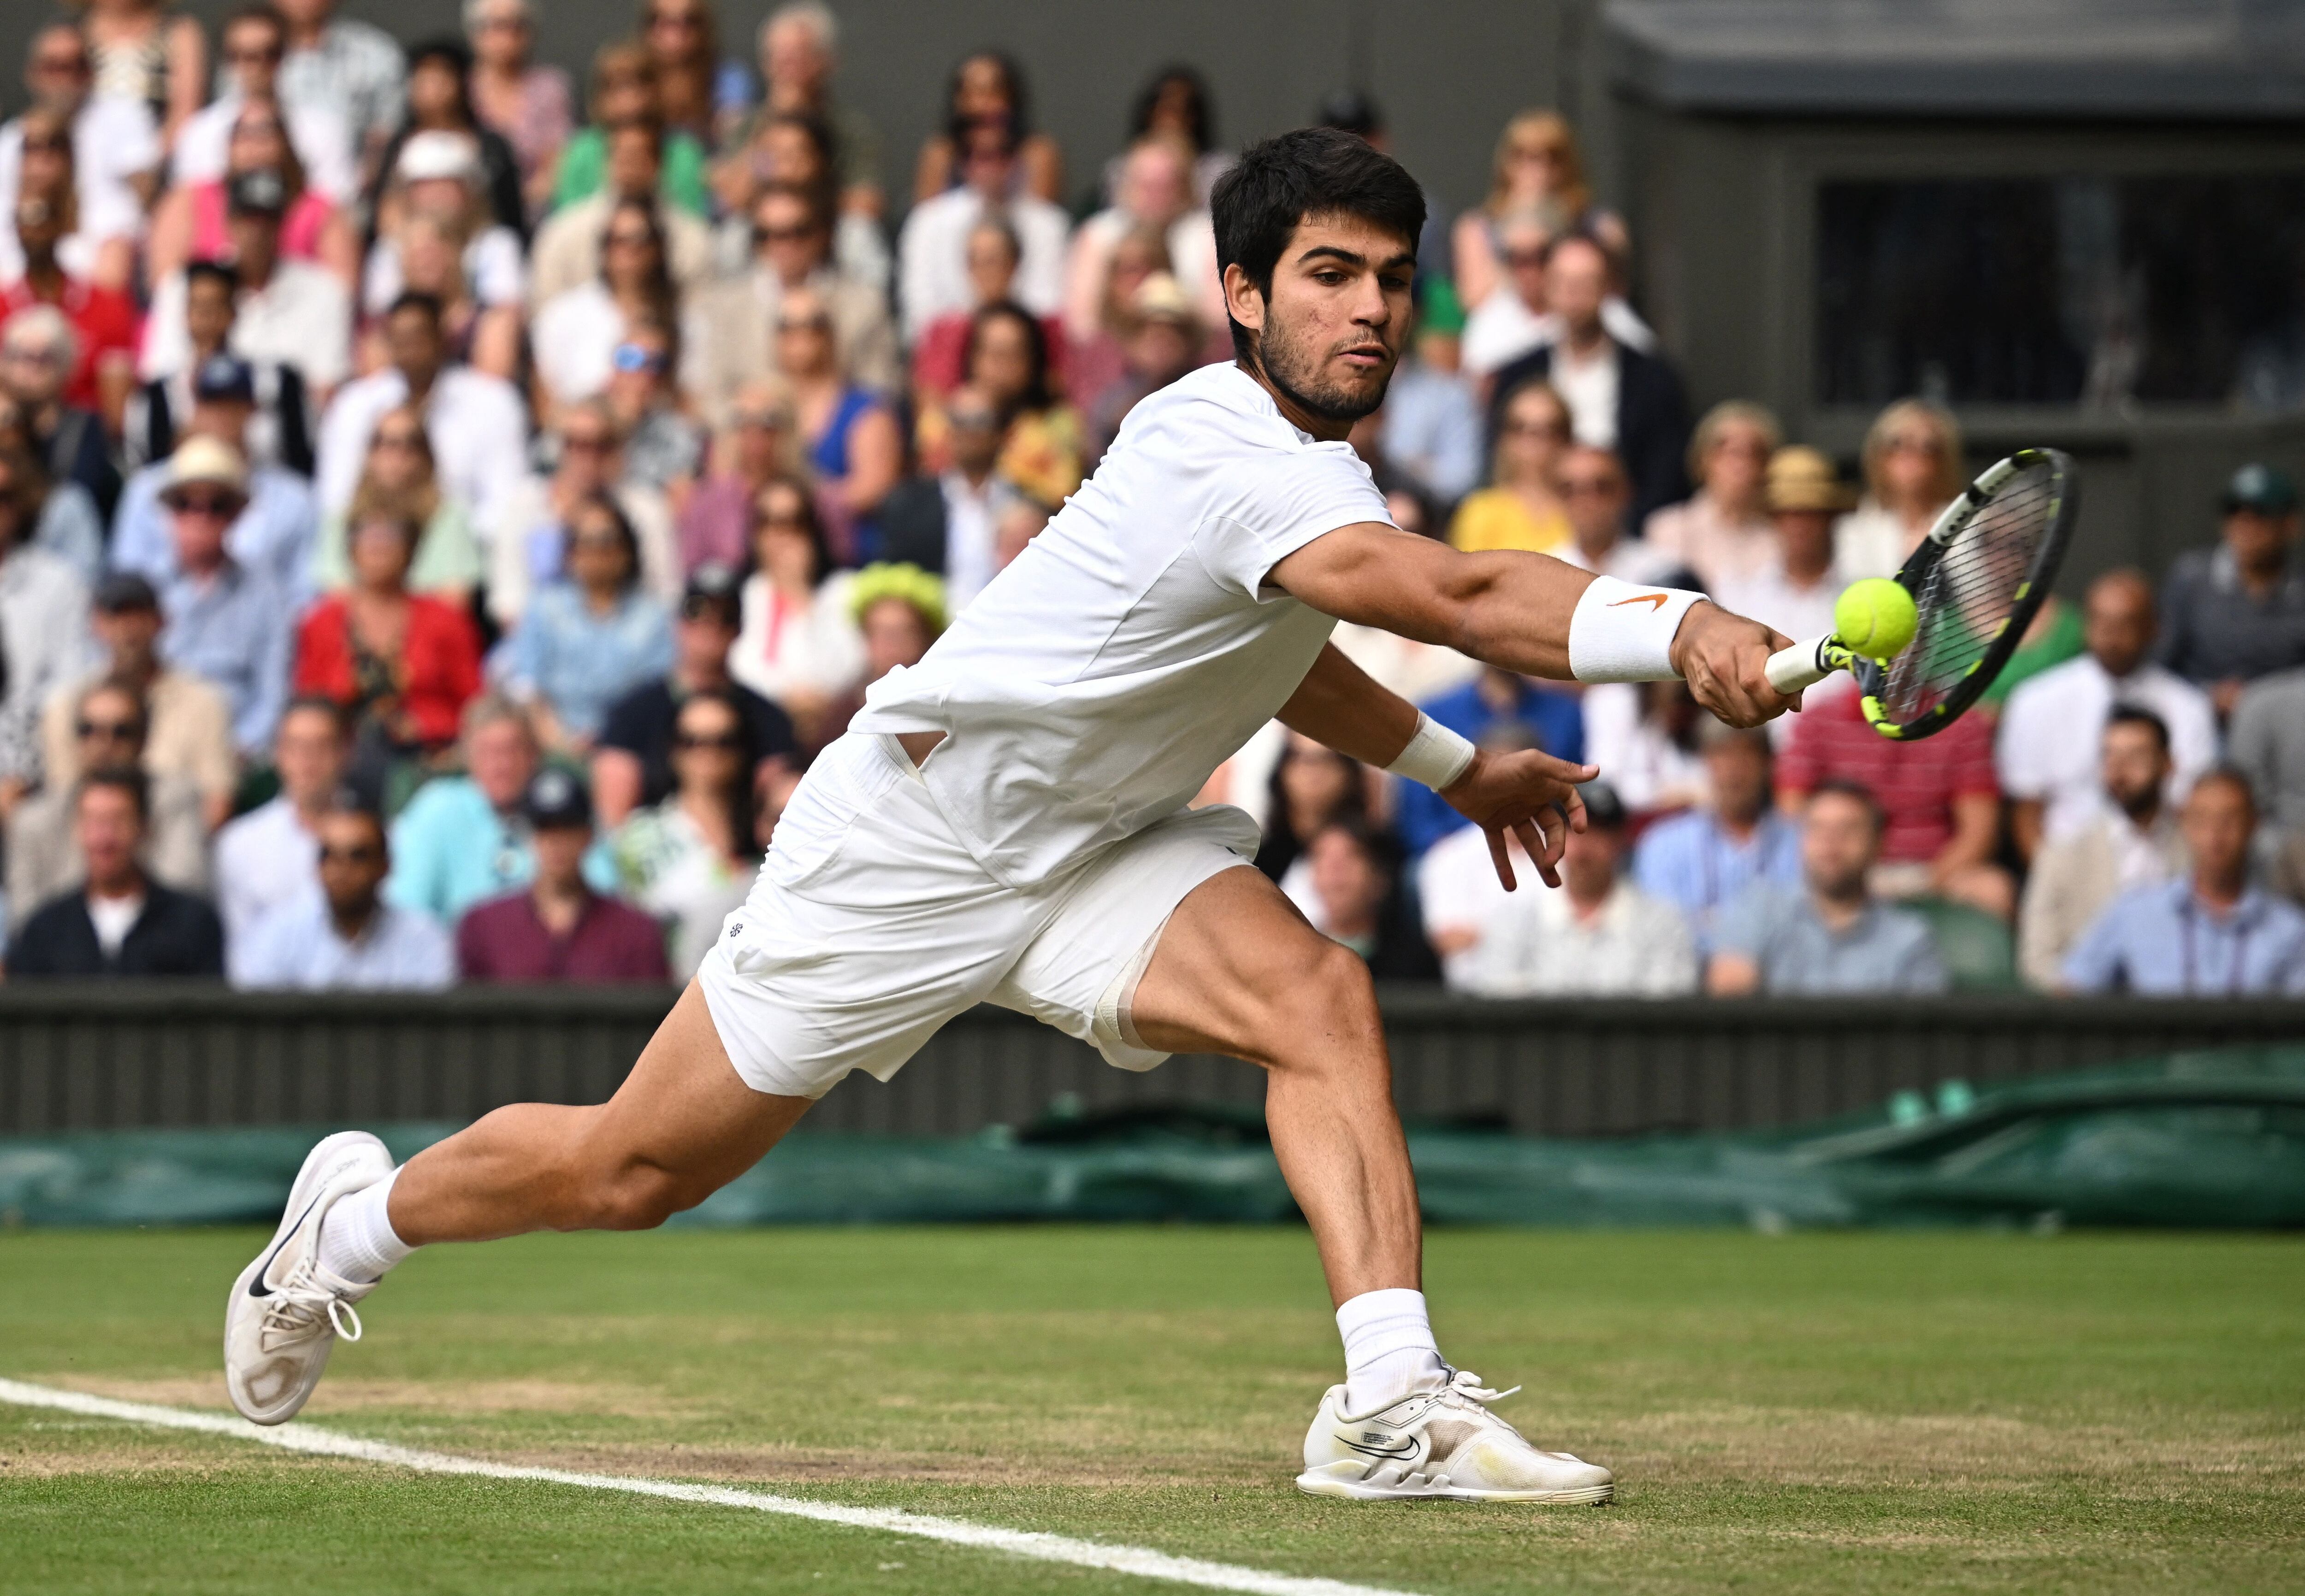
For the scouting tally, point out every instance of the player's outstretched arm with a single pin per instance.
(1514, 610)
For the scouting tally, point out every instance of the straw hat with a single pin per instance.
(1802, 479)
(201, 461)
(1162, 298)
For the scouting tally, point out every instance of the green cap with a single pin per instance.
(1443, 311)
(2262, 488)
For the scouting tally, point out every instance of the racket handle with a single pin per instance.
(1803, 665)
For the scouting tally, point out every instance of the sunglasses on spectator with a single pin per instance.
(398, 440)
(632, 238)
(363, 853)
(798, 234)
(110, 731)
(222, 506)
(767, 420)
(260, 53)
(973, 420)
(75, 66)
(1536, 429)
(1524, 261)
(34, 354)
(597, 543)
(585, 443)
(1581, 487)
(703, 606)
(48, 144)
(727, 741)
(1914, 443)
(818, 323)
(637, 357)
(783, 518)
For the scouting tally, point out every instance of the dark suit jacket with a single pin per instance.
(1652, 424)
(177, 934)
(912, 524)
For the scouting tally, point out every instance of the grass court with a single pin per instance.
(1821, 1413)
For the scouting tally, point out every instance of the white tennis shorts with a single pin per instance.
(871, 925)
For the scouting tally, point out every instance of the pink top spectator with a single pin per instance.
(300, 229)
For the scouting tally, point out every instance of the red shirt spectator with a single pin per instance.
(104, 323)
(1917, 785)
(508, 940)
(437, 672)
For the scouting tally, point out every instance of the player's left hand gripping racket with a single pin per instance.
(1976, 580)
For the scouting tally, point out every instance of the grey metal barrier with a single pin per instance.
(102, 1055)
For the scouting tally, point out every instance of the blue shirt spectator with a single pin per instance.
(231, 628)
(452, 848)
(1539, 717)
(588, 640)
(299, 947)
(1432, 428)
(1700, 860)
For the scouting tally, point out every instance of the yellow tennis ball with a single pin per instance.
(1875, 618)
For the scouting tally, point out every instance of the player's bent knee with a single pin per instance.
(1326, 1020)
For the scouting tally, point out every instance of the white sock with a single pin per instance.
(356, 1237)
(1389, 1348)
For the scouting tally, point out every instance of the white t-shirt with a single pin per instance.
(1589, 389)
(1095, 683)
(2052, 736)
(113, 918)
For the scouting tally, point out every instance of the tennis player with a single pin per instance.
(1008, 822)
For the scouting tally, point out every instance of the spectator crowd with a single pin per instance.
(444, 508)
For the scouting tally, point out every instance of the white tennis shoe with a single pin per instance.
(286, 1311)
(1441, 1443)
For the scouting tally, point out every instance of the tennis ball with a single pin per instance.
(1875, 618)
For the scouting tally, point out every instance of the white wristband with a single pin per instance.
(1621, 633)
(1435, 755)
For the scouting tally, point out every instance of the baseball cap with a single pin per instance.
(1603, 807)
(224, 377)
(122, 592)
(259, 192)
(2260, 487)
(202, 460)
(557, 799)
(710, 583)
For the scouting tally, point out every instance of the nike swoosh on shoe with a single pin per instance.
(256, 1285)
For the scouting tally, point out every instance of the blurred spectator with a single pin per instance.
(663, 448)
(1176, 104)
(37, 351)
(440, 101)
(851, 441)
(270, 857)
(188, 725)
(899, 612)
(559, 930)
(1523, 509)
(463, 838)
(440, 175)
(44, 858)
(567, 253)
(486, 337)
(1155, 191)
(254, 42)
(2052, 733)
(261, 176)
(1355, 878)
(2237, 612)
(756, 446)
(1912, 470)
(624, 90)
(799, 46)
(1089, 365)
(2215, 935)
(119, 921)
(1618, 397)
(1646, 735)
(948, 523)
(690, 859)
(142, 51)
(228, 621)
(682, 38)
(195, 317)
(632, 764)
(1723, 530)
(1537, 171)
(530, 105)
(103, 319)
(401, 479)
(932, 250)
(799, 645)
(987, 90)
(2267, 743)
(2132, 841)
(1507, 323)
(1164, 342)
(105, 149)
(733, 328)
(401, 666)
(1832, 936)
(345, 936)
(1794, 591)
(1701, 861)
(347, 66)
(1940, 805)
(1550, 717)
(795, 150)
(43, 628)
(280, 312)
(64, 522)
(1431, 420)
(1598, 935)
(2052, 637)
(530, 546)
(577, 331)
(1594, 492)
(1312, 784)
(480, 434)
(274, 529)
(590, 638)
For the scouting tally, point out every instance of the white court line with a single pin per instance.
(894, 1521)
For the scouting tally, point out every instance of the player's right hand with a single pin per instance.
(1529, 795)
(1724, 659)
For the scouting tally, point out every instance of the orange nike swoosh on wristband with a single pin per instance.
(1655, 601)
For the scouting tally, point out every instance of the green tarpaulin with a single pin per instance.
(2212, 1139)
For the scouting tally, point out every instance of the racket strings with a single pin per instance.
(1969, 595)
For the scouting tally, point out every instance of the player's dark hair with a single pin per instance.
(1855, 791)
(2131, 715)
(1312, 172)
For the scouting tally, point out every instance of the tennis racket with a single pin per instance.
(1977, 579)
